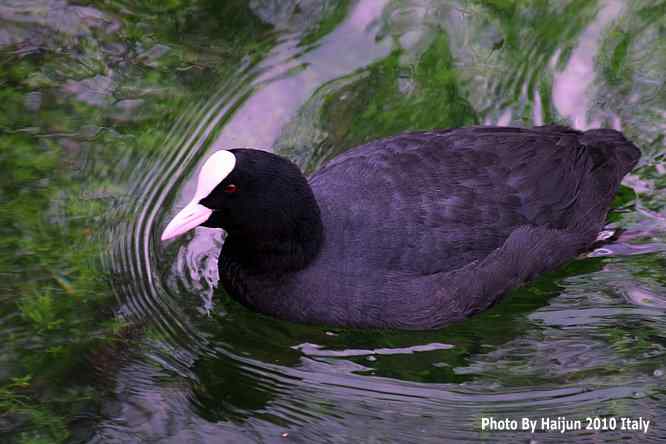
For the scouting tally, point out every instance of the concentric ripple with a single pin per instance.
(587, 341)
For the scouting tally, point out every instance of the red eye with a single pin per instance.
(231, 188)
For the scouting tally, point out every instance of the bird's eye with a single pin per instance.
(231, 188)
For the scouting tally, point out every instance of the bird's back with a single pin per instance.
(434, 201)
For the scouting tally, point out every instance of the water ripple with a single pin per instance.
(588, 341)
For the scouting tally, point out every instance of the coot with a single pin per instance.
(413, 231)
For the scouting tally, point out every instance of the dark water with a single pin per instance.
(107, 108)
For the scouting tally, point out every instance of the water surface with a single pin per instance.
(109, 108)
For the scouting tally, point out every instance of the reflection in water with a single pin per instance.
(572, 86)
(315, 350)
(246, 391)
(291, 74)
(311, 78)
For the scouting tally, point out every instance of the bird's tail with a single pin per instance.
(609, 148)
(609, 157)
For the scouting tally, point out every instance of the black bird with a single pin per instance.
(413, 231)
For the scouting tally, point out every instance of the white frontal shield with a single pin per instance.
(216, 168)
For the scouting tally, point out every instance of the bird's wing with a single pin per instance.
(458, 294)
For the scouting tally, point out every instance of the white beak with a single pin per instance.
(216, 168)
(193, 215)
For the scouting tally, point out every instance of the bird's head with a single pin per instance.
(258, 198)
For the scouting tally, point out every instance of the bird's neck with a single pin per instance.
(286, 247)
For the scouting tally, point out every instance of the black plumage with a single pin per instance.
(417, 230)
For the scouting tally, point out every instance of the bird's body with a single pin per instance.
(423, 229)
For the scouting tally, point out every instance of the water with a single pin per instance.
(109, 335)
